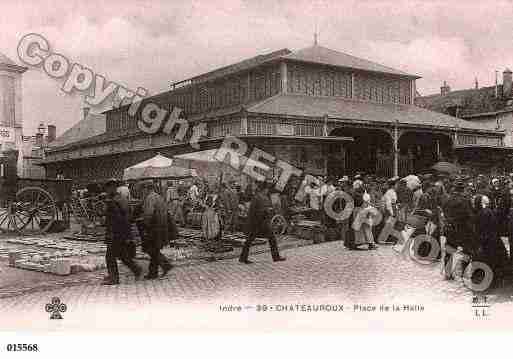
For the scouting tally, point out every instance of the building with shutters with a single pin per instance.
(490, 107)
(321, 110)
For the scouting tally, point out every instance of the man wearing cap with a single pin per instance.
(117, 235)
(259, 223)
(155, 219)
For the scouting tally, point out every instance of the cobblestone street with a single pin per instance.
(325, 273)
(17, 281)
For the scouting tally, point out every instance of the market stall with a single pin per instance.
(158, 168)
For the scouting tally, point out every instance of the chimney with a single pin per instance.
(86, 112)
(445, 89)
(507, 83)
(496, 84)
(52, 132)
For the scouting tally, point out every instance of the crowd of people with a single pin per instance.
(474, 213)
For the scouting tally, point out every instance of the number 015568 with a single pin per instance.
(22, 348)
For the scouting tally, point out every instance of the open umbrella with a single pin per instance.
(159, 167)
(446, 167)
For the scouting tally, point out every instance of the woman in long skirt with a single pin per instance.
(363, 222)
(211, 225)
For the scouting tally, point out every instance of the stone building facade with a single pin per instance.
(11, 114)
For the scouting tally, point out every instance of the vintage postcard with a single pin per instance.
(255, 166)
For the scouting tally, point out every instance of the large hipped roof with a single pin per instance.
(346, 109)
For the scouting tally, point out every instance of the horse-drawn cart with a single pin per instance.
(30, 205)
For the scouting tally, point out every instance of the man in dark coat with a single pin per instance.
(117, 235)
(492, 250)
(459, 219)
(259, 223)
(500, 205)
(156, 231)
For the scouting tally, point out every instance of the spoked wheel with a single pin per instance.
(279, 224)
(10, 221)
(36, 210)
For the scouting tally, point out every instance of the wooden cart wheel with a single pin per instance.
(35, 209)
(10, 221)
(279, 224)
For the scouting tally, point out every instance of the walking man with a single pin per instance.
(259, 223)
(156, 231)
(117, 235)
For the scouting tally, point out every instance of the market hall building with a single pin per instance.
(321, 110)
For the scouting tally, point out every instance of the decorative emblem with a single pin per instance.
(56, 308)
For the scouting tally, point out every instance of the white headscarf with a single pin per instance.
(485, 202)
(357, 184)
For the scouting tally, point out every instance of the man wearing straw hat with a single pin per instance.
(156, 231)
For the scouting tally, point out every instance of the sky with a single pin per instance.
(151, 44)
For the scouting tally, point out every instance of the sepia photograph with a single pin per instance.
(255, 166)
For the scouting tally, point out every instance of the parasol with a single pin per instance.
(157, 167)
(446, 167)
